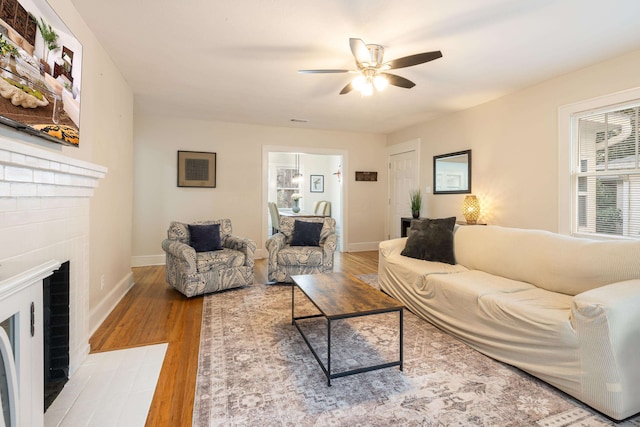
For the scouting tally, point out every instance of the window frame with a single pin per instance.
(568, 116)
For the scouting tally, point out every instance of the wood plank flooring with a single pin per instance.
(152, 312)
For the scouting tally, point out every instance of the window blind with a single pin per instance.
(607, 173)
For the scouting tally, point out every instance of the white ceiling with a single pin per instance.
(237, 60)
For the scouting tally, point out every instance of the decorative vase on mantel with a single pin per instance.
(296, 206)
(415, 214)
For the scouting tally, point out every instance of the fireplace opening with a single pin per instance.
(56, 333)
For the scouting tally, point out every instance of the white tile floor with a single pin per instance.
(113, 388)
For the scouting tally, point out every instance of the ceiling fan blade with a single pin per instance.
(348, 88)
(398, 81)
(323, 71)
(360, 51)
(409, 61)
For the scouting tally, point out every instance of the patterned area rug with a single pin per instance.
(255, 369)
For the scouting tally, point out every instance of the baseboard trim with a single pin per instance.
(99, 313)
(362, 247)
(144, 260)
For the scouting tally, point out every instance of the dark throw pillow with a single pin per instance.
(306, 233)
(431, 240)
(205, 237)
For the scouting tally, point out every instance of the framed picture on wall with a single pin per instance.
(196, 169)
(316, 183)
(41, 72)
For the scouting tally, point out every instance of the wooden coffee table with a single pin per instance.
(341, 296)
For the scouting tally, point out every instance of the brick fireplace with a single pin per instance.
(44, 217)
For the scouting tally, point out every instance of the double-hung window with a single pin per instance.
(606, 172)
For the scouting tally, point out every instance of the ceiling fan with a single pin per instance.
(372, 71)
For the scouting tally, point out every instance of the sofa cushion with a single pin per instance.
(205, 237)
(557, 263)
(306, 233)
(300, 255)
(431, 240)
(225, 258)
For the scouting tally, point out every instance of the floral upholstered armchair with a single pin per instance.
(205, 257)
(302, 246)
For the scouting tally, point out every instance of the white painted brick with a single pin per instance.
(44, 177)
(17, 174)
(64, 167)
(77, 171)
(18, 159)
(74, 192)
(5, 156)
(62, 179)
(1, 172)
(23, 189)
(36, 162)
(54, 166)
(5, 189)
(80, 181)
(46, 190)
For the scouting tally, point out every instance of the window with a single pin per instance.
(606, 173)
(286, 186)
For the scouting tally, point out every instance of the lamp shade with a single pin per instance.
(471, 209)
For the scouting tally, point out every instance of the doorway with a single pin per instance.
(404, 176)
(314, 174)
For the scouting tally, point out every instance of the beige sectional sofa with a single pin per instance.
(564, 309)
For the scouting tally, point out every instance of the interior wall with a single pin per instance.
(238, 195)
(106, 138)
(514, 142)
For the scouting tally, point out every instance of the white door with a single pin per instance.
(403, 177)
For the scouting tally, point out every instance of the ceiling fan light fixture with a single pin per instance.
(367, 89)
(380, 82)
(359, 82)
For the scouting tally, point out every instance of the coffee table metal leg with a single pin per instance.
(293, 289)
(329, 352)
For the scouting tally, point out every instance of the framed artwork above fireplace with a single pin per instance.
(40, 72)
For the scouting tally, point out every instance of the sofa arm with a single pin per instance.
(182, 252)
(329, 247)
(391, 247)
(244, 245)
(606, 320)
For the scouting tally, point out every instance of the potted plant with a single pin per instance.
(416, 202)
(49, 36)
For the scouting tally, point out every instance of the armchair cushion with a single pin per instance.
(306, 233)
(205, 237)
(223, 258)
(301, 256)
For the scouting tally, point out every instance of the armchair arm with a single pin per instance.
(329, 247)
(181, 252)
(275, 242)
(273, 245)
(244, 245)
(606, 322)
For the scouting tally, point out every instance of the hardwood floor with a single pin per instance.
(152, 312)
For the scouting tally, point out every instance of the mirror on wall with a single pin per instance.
(452, 173)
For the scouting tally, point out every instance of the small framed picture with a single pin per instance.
(196, 169)
(316, 183)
